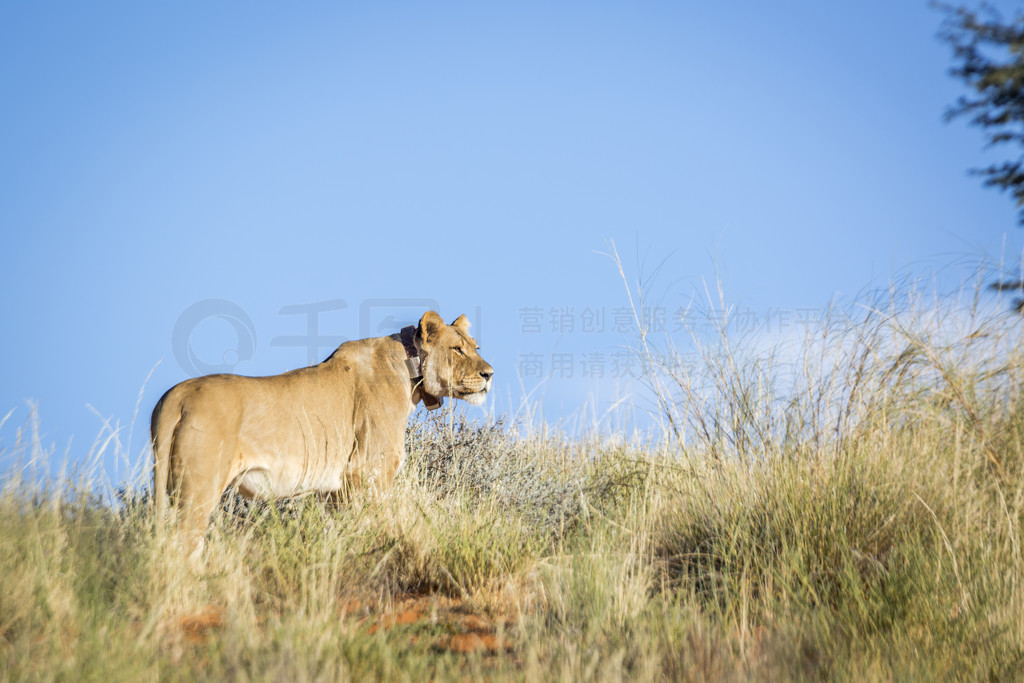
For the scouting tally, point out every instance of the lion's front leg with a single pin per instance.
(376, 459)
(392, 456)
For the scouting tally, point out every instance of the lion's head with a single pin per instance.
(450, 361)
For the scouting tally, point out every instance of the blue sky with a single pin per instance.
(476, 155)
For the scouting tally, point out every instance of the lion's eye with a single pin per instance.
(458, 350)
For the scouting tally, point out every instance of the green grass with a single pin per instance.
(853, 514)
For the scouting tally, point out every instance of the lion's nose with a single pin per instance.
(486, 374)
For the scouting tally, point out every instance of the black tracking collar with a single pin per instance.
(413, 363)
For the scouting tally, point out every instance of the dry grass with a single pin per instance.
(853, 512)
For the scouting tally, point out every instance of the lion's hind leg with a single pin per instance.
(201, 470)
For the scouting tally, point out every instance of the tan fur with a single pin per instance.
(328, 428)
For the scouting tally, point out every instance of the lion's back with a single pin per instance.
(216, 400)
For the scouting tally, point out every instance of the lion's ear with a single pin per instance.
(462, 322)
(430, 324)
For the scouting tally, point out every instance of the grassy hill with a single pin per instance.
(852, 511)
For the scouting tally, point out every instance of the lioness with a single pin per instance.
(325, 428)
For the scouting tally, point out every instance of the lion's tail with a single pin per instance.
(166, 416)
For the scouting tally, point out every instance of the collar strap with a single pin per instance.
(413, 365)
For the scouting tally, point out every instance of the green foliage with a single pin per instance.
(989, 54)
